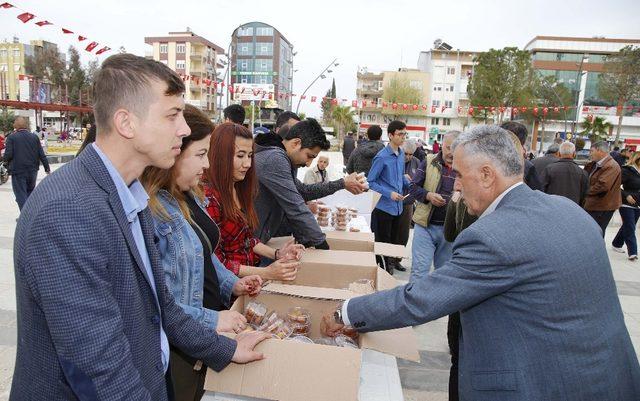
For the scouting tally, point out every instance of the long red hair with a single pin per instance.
(220, 175)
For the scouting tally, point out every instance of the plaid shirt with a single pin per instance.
(237, 241)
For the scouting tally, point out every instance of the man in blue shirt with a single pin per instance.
(387, 178)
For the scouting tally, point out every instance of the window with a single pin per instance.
(446, 121)
(245, 31)
(448, 88)
(448, 104)
(243, 80)
(180, 65)
(264, 31)
(264, 49)
(416, 85)
(435, 120)
(3, 53)
(164, 48)
(437, 88)
(3, 67)
(181, 48)
(451, 70)
(243, 65)
(16, 67)
(16, 53)
(435, 103)
(263, 80)
(245, 49)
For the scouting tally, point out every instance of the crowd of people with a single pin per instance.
(168, 217)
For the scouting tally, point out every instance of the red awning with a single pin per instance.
(632, 141)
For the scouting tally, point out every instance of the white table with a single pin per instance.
(379, 381)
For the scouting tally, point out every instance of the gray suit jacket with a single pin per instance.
(540, 315)
(88, 321)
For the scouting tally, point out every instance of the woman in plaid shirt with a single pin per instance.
(231, 191)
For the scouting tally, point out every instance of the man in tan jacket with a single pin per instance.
(604, 196)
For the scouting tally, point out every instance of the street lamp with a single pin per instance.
(321, 75)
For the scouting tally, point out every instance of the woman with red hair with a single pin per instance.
(231, 191)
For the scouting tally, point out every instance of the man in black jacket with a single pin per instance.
(361, 158)
(530, 175)
(348, 146)
(550, 156)
(565, 177)
(24, 153)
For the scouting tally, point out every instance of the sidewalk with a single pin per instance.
(427, 380)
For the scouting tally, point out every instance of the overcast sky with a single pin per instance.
(381, 35)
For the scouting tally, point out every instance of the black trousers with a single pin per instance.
(401, 235)
(453, 336)
(23, 184)
(602, 218)
(384, 227)
(187, 384)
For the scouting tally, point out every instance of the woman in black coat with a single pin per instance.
(630, 209)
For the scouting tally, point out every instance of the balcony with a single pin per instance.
(196, 55)
(373, 90)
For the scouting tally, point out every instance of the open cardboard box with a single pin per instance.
(294, 371)
(353, 241)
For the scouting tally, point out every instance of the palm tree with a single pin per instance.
(597, 128)
(343, 119)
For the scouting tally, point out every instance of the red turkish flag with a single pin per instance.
(65, 30)
(364, 103)
(334, 101)
(270, 96)
(459, 109)
(492, 109)
(43, 23)
(6, 5)
(442, 109)
(415, 107)
(394, 106)
(81, 38)
(556, 109)
(313, 99)
(523, 109)
(303, 97)
(215, 85)
(566, 108)
(221, 84)
(501, 109)
(405, 106)
(354, 103)
(26, 17)
(535, 111)
(231, 89)
(545, 111)
(424, 107)
(91, 46)
(480, 108)
(385, 104)
(471, 110)
(585, 109)
(433, 109)
(104, 49)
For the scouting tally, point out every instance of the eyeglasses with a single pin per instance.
(401, 133)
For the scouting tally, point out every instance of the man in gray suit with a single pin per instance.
(540, 316)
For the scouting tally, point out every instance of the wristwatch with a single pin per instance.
(337, 315)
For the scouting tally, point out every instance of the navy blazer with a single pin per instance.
(88, 322)
(541, 319)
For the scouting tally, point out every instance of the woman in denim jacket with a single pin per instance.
(186, 240)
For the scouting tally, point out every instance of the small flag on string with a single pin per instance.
(26, 17)
(6, 5)
(43, 23)
(313, 99)
(91, 46)
(65, 30)
(104, 49)
(81, 38)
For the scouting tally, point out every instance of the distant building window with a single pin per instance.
(16, 53)
(435, 120)
(245, 31)
(3, 67)
(446, 121)
(437, 88)
(181, 48)
(180, 65)
(264, 31)
(416, 85)
(451, 71)
(164, 48)
(448, 88)
(264, 49)
(3, 53)
(448, 104)
(435, 103)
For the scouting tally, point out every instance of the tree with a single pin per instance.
(302, 115)
(90, 73)
(6, 120)
(400, 91)
(256, 112)
(502, 78)
(620, 81)
(596, 128)
(547, 92)
(342, 117)
(46, 65)
(76, 81)
(326, 105)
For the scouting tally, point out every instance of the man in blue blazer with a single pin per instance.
(95, 317)
(540, 315)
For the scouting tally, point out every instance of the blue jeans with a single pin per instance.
(428, 246)
(23, 184)
(627, 233)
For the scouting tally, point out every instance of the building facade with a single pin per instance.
(450, 71)
(577, 63)
(374, 91)
(191, 55)
(260, 54)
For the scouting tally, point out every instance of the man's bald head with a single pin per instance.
(20, 123)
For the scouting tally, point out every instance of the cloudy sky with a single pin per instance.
(381, 35)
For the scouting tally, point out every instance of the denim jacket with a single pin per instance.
(181, 254)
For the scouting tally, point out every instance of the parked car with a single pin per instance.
(582, 157)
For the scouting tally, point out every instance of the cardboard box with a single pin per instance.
(353, 241)
(294, 371)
